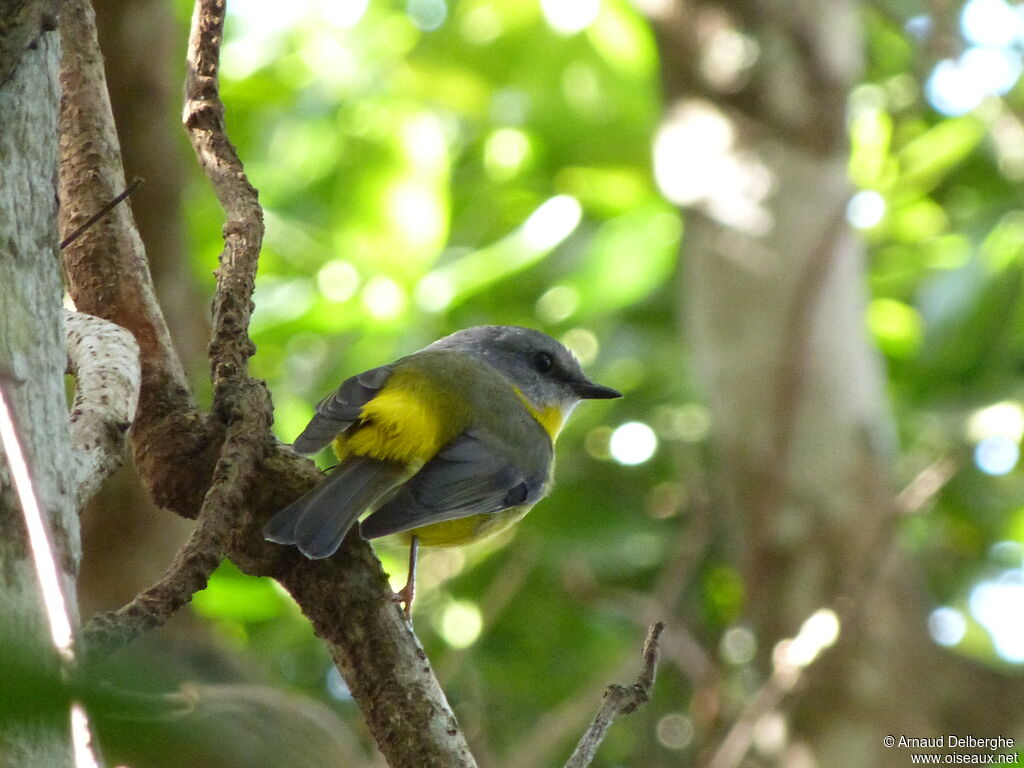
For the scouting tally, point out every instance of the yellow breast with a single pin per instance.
(408, 421)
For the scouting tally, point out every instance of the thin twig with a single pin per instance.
(230, 346)
(925, 486)
(136, 183)
(346, 598)
(619, 700)
(733, 748)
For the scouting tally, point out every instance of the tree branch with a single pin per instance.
(230, 347)
(108, 275)
(619, 700)
(204, 550)
(104, 360)
(347, 598)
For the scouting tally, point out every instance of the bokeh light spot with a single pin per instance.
(338, 280)
(771, 733)
(667, 500)
(481, 25)
(633, 443)
(996, 606)
(568, 17)
(951, 91)
(738, 645)
(552, 222)
(343, 13)
(434, 292)
(417, 212)
(597, 442)
(461, 623)
(583, 344)
(947, 626)
(674, 731)
(383, 298)
(427, 15)
(558, 304)
(505, 152)
(996, 455)
(897, 327)
(818, 632)
(1005, 418)
(642, 550)
(865, 209)
(689, 423)
(989, 22)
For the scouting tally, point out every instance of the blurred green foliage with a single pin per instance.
(426, 167)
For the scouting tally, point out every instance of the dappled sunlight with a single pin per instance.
(990, 66)
(1005, 418)
(417, 212)
(544, 229)
(429, 165)
(551, 223)
(698, 162)
(818, 632)
(996, 605)
(996, 431)
(726, 57)
(567, 17)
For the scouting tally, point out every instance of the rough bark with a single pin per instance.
(118, 287)
(32, 358)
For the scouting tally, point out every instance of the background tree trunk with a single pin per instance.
(775, 297)
(32, 363)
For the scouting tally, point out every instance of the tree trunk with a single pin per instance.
(32, 363)
(774, 293)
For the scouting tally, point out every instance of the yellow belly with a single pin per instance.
(464, 530)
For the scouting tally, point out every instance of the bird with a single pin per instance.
(447, 445)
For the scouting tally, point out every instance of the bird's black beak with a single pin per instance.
(588, 390)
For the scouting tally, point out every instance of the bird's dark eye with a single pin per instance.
(543, 362)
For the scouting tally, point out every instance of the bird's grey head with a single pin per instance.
(543, 370)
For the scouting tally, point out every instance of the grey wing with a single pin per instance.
(466, 477)
(340, 409)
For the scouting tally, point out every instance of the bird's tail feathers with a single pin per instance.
(318, 521)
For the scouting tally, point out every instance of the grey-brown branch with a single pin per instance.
(619, 700)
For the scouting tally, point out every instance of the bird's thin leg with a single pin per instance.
(408, 592)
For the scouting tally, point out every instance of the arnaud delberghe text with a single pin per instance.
(952, 741)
